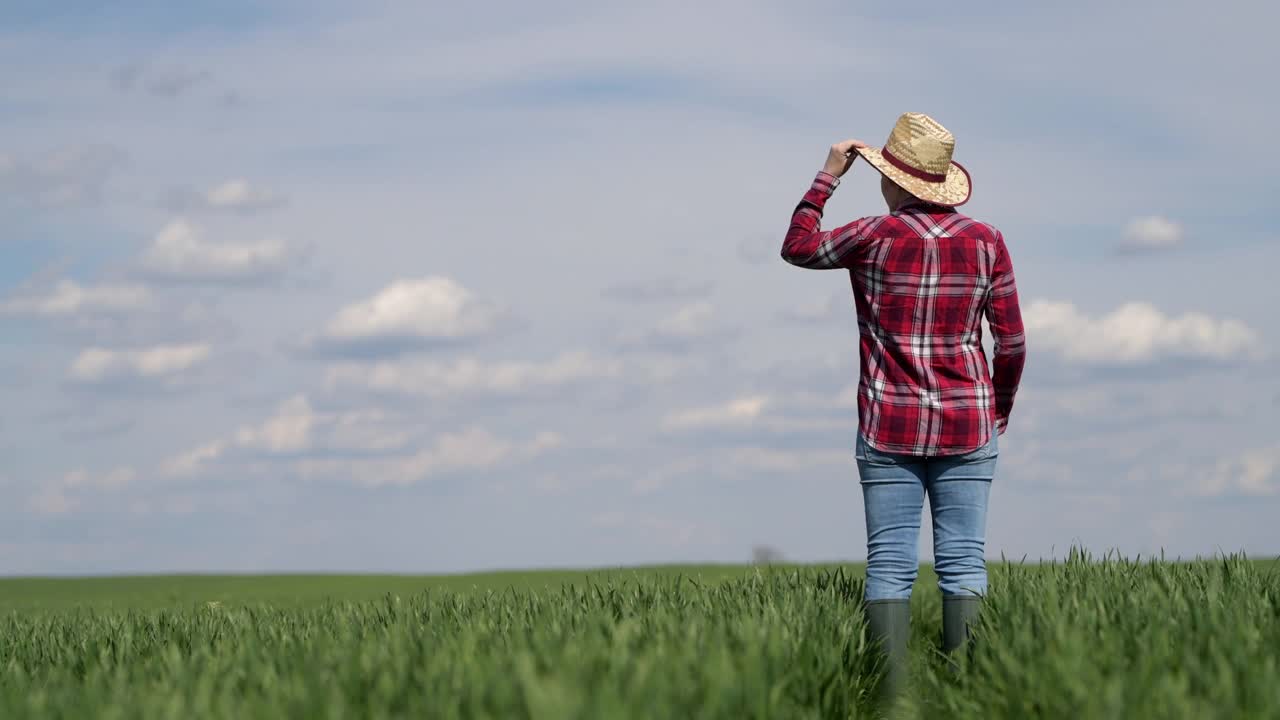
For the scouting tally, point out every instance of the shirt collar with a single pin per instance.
(922, 206)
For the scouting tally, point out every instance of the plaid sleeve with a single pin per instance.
(806, 245)
(1005, 319)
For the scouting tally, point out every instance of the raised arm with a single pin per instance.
(1005, 318)
(806, 245)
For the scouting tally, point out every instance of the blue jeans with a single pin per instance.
(893, 490)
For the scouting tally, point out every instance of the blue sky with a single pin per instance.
(411, 287)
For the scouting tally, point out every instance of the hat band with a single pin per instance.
(913, 172)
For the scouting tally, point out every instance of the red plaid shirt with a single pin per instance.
(923, 277)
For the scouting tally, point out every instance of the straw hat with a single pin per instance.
(917, 156)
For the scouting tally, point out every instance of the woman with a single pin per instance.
(930, 412)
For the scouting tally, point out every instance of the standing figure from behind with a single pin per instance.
(930, 408)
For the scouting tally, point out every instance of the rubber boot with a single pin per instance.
(889, 624)
(959, 612)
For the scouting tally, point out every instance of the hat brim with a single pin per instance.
(952, 192)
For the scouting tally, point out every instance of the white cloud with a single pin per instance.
(679, 330)
(192, 460)
(687, 322)
(430, 308)
(95, 364)
(63, 495)
(651, 477)
(62, 178)
(117, 478)
(239, 196)
(1152, 233)
(368, 430)
(762, 418)
(53, 500)
(837, 305)
(759, 248)
(179, 252)
(847, 397)
(775, 460)
(543, 441)
(469, 449)
(470, 376)
(160, 81)
(1134, 334)
(1254, 473)
(289, 430)
(320, 444)
(236, 196)
(472, 448)
(608, 519)
(1185, 398)
(656, 529)
(659, 289)
(70, 298)
(736, 413)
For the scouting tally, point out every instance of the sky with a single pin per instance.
(428, 287)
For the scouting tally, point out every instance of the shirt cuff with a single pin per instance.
(825, 181)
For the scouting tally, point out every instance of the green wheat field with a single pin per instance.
(1085, 638)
